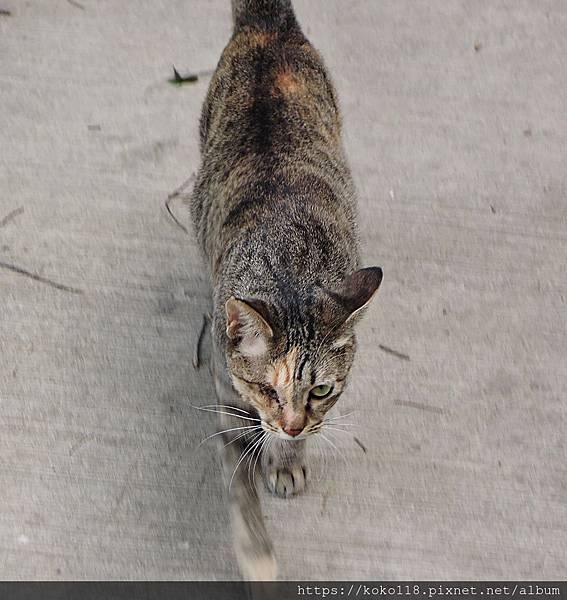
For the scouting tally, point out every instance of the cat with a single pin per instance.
(274, 212)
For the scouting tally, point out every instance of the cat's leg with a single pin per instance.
(252, 544)
(283, 467)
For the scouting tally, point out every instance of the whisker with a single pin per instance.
(247, 412)
(341, 451)
(337, 429)
(226, 431)
(332, 448)
(354, 438)
(256, 462)
(324, 463)
(269, 428)
(251, 455)
(260, 449)
(220, 412)
(340, 416)
(243, 456)
(325, 425)
(333, 445)
(271, 440)
(239, 436)
(256, 446)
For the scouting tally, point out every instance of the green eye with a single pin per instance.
(321, 391)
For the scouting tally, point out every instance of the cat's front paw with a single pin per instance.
(285, 481)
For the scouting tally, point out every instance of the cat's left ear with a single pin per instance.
(247, 326)
(356, 292)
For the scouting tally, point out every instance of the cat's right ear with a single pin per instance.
(356, 292)
(247, 326)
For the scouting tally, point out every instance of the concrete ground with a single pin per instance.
(455, 124)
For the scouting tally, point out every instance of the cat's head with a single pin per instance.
(293, 368)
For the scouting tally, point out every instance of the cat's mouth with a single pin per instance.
(294, 437)
(280, 433)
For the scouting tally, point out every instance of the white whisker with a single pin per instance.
(332, 448)
(271, 440)
(333, 445)
(226, 431)
(337, 429)
(239, 436)
(340, 416)
(260, 450)
(243, 456)
(324, 462)
(257, 446)
(220, 412)
(342, 453)
(246, 412)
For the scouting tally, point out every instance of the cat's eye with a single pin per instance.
(271, 393)
(321, 391)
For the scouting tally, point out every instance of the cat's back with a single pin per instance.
(270, 88)
(270, 132)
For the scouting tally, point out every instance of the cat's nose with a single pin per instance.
(293, 431)
(293, 421)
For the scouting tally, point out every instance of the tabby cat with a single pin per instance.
(274, 211)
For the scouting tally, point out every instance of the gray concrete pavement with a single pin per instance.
(455, 123)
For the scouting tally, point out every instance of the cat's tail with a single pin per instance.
(267, 14)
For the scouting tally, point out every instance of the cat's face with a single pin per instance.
(292, 378)
(293, 390)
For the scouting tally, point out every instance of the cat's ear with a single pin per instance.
(247, 326)
(356, 291)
